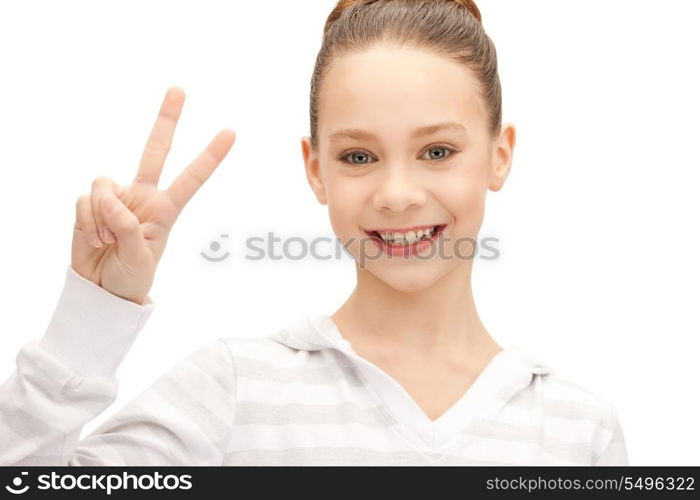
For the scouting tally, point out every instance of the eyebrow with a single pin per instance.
(354, 133)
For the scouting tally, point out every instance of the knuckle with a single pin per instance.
(132, 218)
(157, 147)
(81, 201)
(101, 181)
(196, 176)
(128, 222)
(82, 212)
(131, 224)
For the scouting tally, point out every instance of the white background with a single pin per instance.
(598, 230)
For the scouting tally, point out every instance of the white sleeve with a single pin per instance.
(67, 377)
(614, 450)
(184, 418)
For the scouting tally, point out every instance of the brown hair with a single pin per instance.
(451, 28)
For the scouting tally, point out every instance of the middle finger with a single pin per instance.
(161, 137)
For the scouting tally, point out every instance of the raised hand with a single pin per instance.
(120, 233)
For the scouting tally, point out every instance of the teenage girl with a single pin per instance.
(406, 141)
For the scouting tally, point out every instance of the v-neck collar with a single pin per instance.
(507, 372)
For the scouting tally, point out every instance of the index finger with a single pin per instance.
(161, 137)
(191, 179)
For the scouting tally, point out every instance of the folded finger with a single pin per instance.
(85, 220)
(100, 188)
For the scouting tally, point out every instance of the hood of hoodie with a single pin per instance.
(312, 333)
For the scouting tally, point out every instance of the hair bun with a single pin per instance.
(471, 7)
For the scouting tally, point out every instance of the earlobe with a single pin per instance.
(502, 157)
(313, 174)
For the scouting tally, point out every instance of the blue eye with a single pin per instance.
(439, 147)
(364, 155)
(360, 153)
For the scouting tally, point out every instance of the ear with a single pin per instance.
(313, 170)
(502, 157)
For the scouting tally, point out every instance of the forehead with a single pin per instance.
(397, 90)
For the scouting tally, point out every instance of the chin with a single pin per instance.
(406, 282)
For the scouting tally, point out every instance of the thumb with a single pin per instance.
(126, 227)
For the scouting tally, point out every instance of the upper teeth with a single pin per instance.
(408, 237)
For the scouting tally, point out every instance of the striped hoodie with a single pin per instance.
(301, 396)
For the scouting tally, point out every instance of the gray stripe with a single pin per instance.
(265, 345)
(457, 460)
(218, 369)
(618, 436)
(261, 370)
(117, 444)
(559, 408)
(164, 435)
(190, 408)
(92, 400)
(620, 452)
(30, 355)
(338, 456)
(617, 439)
(76, 461)
(27, 426)
(133, 452)
(38, 460)
(113, 448)
(532, 434)
(126, 433)
(311, 414)
(575, 411)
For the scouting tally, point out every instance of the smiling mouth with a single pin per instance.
(401, 242)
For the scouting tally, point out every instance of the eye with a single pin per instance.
(358, 153)
(438, 147)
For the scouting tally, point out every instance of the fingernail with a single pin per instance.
(95, 240)
(107, 235)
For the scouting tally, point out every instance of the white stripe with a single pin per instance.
(282, 437)
(264, 391)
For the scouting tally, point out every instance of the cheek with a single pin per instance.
(464, 197)
(471, 202)
(344, 219)
(344, 206)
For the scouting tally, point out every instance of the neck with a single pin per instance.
(440, 319)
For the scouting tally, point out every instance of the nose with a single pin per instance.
(397, 191)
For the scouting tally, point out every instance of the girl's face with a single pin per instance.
(379, 166)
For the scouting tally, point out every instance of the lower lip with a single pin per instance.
(406, 250)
